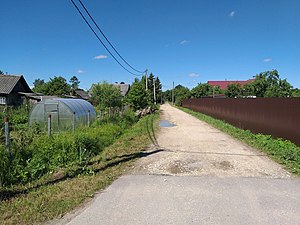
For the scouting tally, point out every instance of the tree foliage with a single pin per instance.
(137, 97)
(58, 86)
(269, 84)
(74, 83)
(158, 88)
(233, 91)
(104, 95)
(296, 92)
(266, 84)
(39, 86)
(202, 90)
(55, 86)
(180, 93)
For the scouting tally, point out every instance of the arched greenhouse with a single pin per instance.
(65, 113)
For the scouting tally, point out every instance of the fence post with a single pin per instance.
(74, 121)
(88, 118)
(7, 139)
(49, 125)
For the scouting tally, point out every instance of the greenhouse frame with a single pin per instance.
(65, 114)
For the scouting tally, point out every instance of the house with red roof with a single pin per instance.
(223, 84)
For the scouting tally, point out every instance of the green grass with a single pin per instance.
(55, 195)
(282, 151)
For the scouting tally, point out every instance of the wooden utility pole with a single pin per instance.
(146, 80)
(173, 94)
(154, 91)
(7, 138)
(49, 125)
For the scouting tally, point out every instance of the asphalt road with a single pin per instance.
(200, 176)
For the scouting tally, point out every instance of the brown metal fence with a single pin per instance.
(279, 117)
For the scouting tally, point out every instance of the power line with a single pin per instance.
(107, 38)
(83, 17)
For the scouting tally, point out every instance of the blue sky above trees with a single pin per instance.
(183, 41)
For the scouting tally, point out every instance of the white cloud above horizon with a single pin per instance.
(194, 75)
(100, 57)
(231, 14)
(80, 71)
(267, 60)
(184, 42)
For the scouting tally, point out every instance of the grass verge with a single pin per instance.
(282, 151)
(49, 199)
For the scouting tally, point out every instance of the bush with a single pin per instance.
(41, 154)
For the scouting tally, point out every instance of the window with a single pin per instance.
(2, 101)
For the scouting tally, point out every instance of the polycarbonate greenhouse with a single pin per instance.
(65, 113)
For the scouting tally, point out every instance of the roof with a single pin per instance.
(124, 88)
(9, 82)
(81, 93)
(79, 106)
(223, 84)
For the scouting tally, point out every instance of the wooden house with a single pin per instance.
(12, 89)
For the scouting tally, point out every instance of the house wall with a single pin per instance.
(14, 99)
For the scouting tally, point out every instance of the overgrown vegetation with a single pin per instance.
(34, 154)
(105, 95)
(54, 195)
(282, 151)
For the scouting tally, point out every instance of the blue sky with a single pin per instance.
(185, 41)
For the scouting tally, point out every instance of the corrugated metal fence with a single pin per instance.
(279, 117)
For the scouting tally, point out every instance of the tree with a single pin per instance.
(217, 90)
(158, 90)
(248, 90)
(1, 72)
(74, 83)
(58, 86)
(202, 90)
(104, 95)
(269, 84)
(180, 93)
(233, 91)
(296, 92)
(167, 95)
(137, 97)
(39, 86)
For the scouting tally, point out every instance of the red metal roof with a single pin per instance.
(223, 84)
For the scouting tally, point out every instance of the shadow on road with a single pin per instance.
(150, 131)
(8, 194)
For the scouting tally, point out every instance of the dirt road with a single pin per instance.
(198, 175)
(192, 147)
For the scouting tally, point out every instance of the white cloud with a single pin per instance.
(184, 42)
(80, 71)
(194, 75)
(267, 60)
(231, 14)
(100, 57)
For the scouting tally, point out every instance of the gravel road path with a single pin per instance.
(198, 175)
(193, 147)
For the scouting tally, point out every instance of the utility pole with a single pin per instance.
(173, 94)
(146, 80)
(154, 90)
